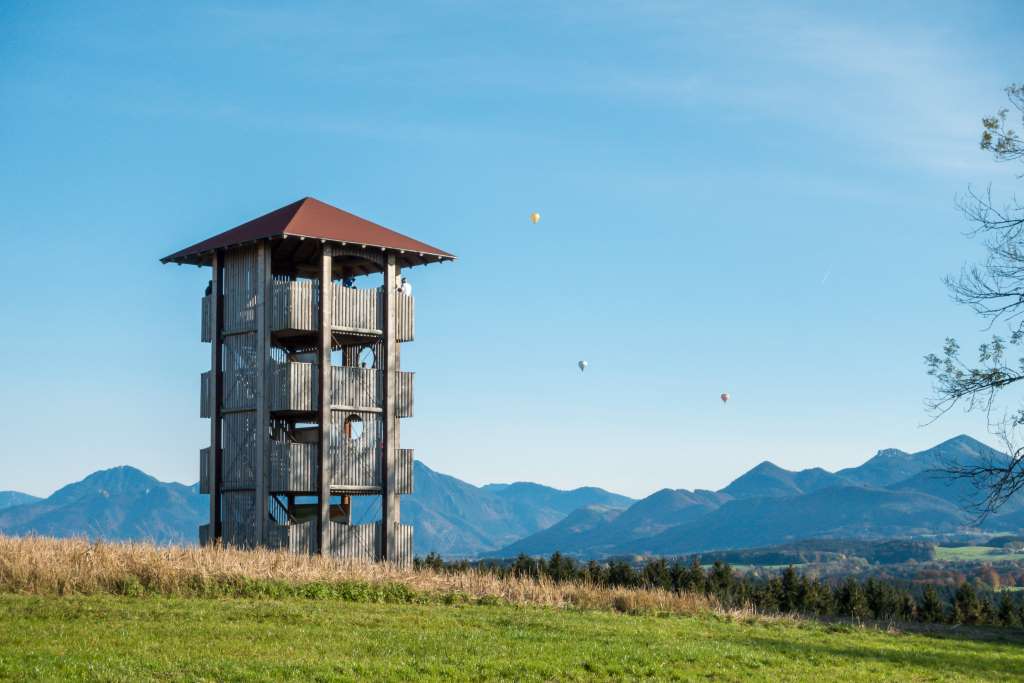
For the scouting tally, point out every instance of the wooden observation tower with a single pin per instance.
(305, 392)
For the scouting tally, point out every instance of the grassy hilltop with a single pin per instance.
(117, 638)
(71, 610)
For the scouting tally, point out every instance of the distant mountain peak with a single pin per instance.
(14, 498)
(120, 503)
(962, 439)
(107, 483)
(891, 453)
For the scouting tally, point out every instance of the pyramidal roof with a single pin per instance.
(311, 218)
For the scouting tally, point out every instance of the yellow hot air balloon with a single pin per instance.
(535, 217)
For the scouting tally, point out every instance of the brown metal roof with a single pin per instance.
(312, 218)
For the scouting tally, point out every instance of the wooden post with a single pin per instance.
(216, 395)
(389, 499)
(262, 486)
(324, 368)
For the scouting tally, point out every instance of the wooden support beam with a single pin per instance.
(217, 394)
(263, 294)
(324, 368)
(389, 366)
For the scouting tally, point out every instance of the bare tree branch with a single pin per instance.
(994, 290)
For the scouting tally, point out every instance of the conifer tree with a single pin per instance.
(852, 602)
(932, 610)
(966, 605)
(1007, 612)
(789, 600)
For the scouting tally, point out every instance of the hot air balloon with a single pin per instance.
(583, 365)
(725, 398)
(535, 217)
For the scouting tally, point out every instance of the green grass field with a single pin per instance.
(976, 552)
(116, 638)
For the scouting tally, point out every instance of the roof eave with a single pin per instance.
(414, 257)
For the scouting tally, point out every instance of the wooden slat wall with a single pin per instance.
(294, 386)
(403, 471)
(302, 538)
(204, 534)
(295, 538)
(240, 519)
(295, 305)
(355, 542)
(356, 310)
(355, 387)
(206, 334)
(240, 290)
(403, 405)
(356, 462)
(204, 394)
(277, 536)
(400, 545)
(406, 317)
(240, 372)
(239, 465)
(204, 470)
(293, 467)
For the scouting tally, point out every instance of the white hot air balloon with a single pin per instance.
(583, 365)
(725, 398)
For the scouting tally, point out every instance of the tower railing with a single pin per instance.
(294, 305)
(204, 469)
(404, 394)
(406, 317)
(355, 388)
(400, 546)
(294, 387)
(357, 310)
(208, 323)
(296, 538)
(356, 542)
(361, 542)
(293, 466)
(205, 401)
(403, 471)
(355, 463)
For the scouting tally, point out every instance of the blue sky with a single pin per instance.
(735, 197)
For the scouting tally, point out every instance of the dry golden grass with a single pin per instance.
(47, 566)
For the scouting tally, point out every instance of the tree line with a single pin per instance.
(787, 593)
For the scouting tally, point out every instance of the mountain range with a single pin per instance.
(449, 516)
(893, 494)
